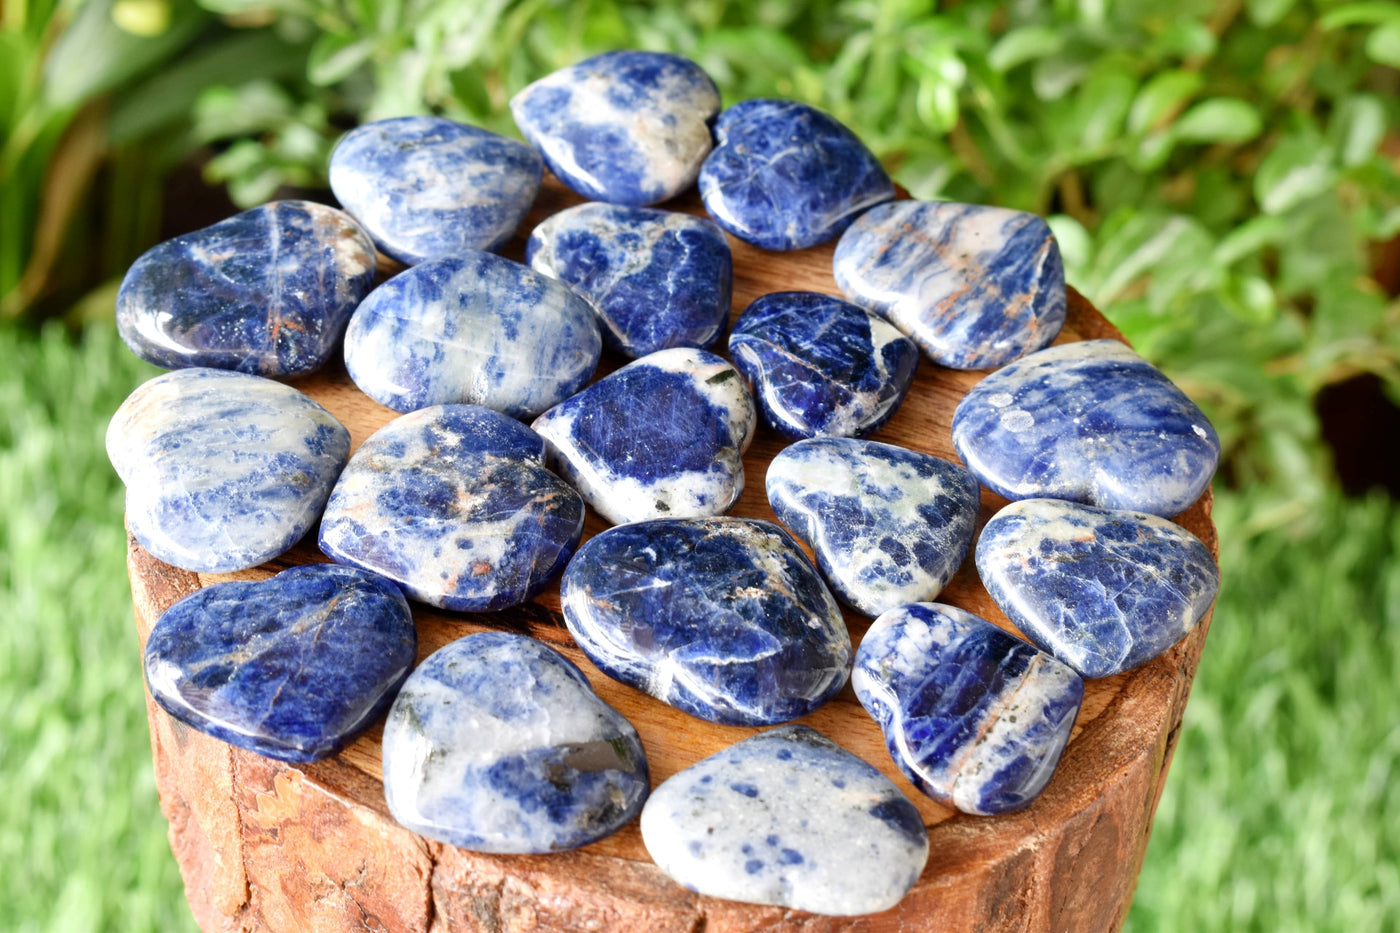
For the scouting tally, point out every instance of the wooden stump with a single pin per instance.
(264, 845)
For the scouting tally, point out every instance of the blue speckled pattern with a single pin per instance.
(1091, 422)
(722, 618)
(976, 718)
(267, 291)
(223, 470)
(788, 817)
(498, 744)
(976, 287)
(663, 437)
(454, 504)
(787, 176)
(656, 279)
(1103, 591)
(428, 188)
(627, 127)
(889, 526)
(821, 366)
(477, 330)
(292, 668)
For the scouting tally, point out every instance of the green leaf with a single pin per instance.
(1054, 77)
(335, 57)
(1367, 12)
(1159, 95)
(1217, 120)
(1022, 45)
(1295, 170)
(1357, 126)
(1100, 106)
(1383, 44)
(1076, 245)
(1248, 238)
(1251, 299)
(1267, 12)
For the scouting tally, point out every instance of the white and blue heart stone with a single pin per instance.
(1090, 422)
(475, 329)
(267, 291)
(625, 127)
(663, 437)
(975, 286)
(889, 526)
(429, 188)
(656, 279)
(784, 175)
(453, 503)
(497, 743)
(722, 618)
(1104, 591)
(223, 470)
(787, 817)
(292, 668)
(821, 366)
(975, 717)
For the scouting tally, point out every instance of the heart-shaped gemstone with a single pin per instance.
(1102, 590)
(267, 291)
(223, 470)
(292, 668)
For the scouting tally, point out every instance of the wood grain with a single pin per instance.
(264, 845)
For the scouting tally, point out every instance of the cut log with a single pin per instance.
(264, 845)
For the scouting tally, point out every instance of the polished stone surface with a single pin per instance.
(656, 279)
(223, 470)
(292, 668)
(1103, 591)
(497, 743)
(454, 504)
(975, 286)
(889, 526)
(975, 717)
(788, 817)
(821, 366)
(784, 175)
(1091, 422)
(723, 618)
(663, 437)
(428, 188)
(477, 330)
(267, 291)
(627, 127)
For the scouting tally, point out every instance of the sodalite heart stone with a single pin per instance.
(475, 329)
(454, 504)
(656, 279)
(1091, 422)
(787, 176)
(497, 744)
(820, 365)
(662, 437)
(292, 668)
(429, 188)
(889, 526)
(267, 291)
(1103, 591)
(223, 470)
(788, 817)
(723, 618)
(975, 286)
(975, 717)
(627, 127)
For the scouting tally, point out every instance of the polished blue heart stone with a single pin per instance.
(889, 526)
(1104, 591)
(975, 717)
(820, 365)
(723, 618)
(656, 279)
(627, 127)
(428, 188)
(223, 470)
(292, 668)
(267, 291)
(475, 329)
(784, 175)
(496, 743)
(1091, 422)
(455, 505)
(788, 817)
